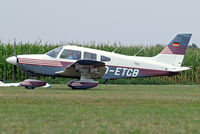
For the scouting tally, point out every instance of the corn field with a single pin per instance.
(192, 59)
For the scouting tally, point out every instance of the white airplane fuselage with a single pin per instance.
(119, 66)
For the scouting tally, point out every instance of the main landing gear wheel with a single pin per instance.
(81, 84)
(28, 87)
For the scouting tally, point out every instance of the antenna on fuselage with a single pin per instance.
(139, 51)
(115, 50)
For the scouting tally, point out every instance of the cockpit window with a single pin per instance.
(54, 53)
(70, 54)
(104, 58)
(90, 56)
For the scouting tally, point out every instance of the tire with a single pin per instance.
(27, 87)
(79, 88)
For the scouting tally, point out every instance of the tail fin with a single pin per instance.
(174, 52)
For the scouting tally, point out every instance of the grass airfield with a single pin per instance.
(105, 109)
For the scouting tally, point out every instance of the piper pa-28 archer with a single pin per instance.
(86, 64)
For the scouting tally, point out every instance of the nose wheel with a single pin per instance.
(32, 83)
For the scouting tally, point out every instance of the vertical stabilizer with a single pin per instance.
(174, 52)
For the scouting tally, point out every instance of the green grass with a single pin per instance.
(105, 109)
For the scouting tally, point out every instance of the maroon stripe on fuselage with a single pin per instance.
(39, 62)
(170, 49)
(149, 72)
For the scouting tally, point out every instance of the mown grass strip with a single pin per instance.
(104, 109)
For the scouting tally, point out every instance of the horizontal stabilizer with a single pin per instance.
(180, 69)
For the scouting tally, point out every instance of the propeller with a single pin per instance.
(15, 66)
(13, 60)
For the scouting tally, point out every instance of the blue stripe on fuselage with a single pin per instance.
(40, 70)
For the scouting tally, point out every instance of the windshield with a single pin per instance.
(54, 53)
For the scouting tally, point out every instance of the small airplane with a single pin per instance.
(35, 83)
(2, 84)
(86, 64)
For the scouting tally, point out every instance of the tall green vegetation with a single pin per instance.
(192, 59)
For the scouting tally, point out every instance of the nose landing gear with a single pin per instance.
(32, 83)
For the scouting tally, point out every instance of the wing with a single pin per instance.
(87, 69)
